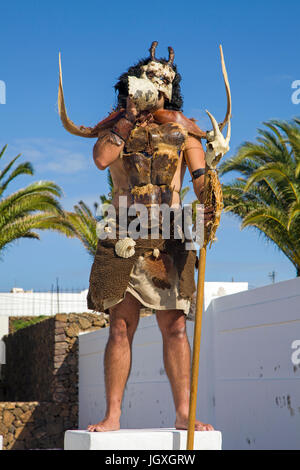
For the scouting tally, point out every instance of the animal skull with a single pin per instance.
(216, 145)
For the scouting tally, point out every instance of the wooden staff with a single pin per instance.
(196, 349)
(212, 197)
(197, 335)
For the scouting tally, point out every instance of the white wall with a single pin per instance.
(42, 303)
(249, 381)
(214, 290)
(4, 326)
(256, 384)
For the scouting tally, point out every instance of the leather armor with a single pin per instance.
(150, 159)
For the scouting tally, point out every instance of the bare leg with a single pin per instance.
(124, 318)
(177, 361)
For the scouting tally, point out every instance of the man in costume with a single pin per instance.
(147, 144)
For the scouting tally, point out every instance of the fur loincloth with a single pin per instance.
(110, 273)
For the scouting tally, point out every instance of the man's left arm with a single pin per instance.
(195, 159)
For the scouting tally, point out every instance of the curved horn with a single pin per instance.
(227, 87)
(171, 55)
(152, 50)
(214, 123)
(67, 123)
(228, 132)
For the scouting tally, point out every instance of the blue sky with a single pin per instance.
(98, 41)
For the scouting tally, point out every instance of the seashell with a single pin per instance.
(156, 253)
(125, 247)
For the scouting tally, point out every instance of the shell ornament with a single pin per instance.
(125, 247)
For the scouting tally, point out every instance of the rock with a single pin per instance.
(24, 406)
(18, 423)
(18, 432)
(26, 417)
(3, 429)
(73, 330)
(11, 429)
(84, 323)
(10, 406)
(59, 357)
(60, 337)
(58, 364)
(8, 418)
(18, 412)
(59, 331)
(60, 347)
(60, 324)
(101, 322)
(73, 317)
(61, 317)
(9, 438)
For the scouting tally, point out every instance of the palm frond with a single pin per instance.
(34, 207)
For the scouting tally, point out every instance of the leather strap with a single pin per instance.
(123, 128)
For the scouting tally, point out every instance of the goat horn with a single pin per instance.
(67, 123)
(171, 55)
(227, 87)
(214, 123)
(152, 50)
(228, 132)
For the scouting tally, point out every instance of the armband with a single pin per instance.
(115, 139)
(197, 173)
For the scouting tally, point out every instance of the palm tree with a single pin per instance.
(84, 223)
(106, 199)
(30, 208)
(266, 193)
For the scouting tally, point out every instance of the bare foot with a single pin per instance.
(183, 423)
(108, 424)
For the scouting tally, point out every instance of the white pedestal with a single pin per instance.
(1, 442)
(141, 439)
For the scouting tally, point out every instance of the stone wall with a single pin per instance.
(34, 425)
(40, 381)
(28, 372)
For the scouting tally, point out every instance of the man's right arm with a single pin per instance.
(105, 151)
(111, 142)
